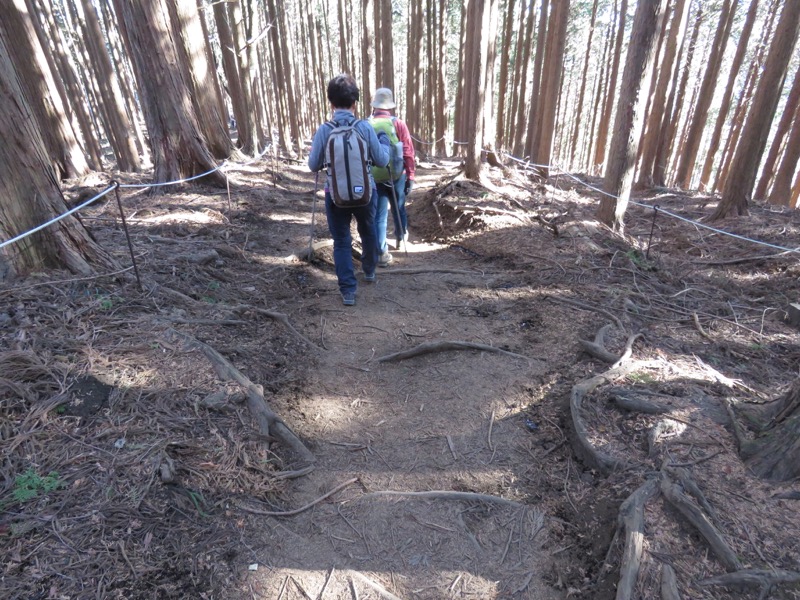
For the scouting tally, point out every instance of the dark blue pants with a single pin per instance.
(339, 220)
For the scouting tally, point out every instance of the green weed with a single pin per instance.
(30, 484)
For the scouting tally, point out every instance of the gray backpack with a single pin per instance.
(347, 162)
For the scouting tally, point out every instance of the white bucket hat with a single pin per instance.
(383, 98)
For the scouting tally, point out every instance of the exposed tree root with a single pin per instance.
(765, 579)
(685, 479)
(638, 405)
(297, 511)
(431, 347)
(306, 254)
(669, 583)
(696, 517)
(582, 446)
(597, 348)
(419, 270)
(270, 425)
(631, 519)
(446, 495)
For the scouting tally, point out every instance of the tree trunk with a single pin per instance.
(230, 66)
(611, 90)
(505, 53)
(442, 118)
(111, 98)
(775, 455)
(785, 123)
(29, 190)
(368, 47)
(415, 67)
(179, 148)
(384, 49)
(725, 105)
(674, 105)
(579, 109)
(629, 119)
(781, 193)
(71, 98)
(656, 117)
(689, 151)
(201, 76)
(551, 82)
(527, 44)
(37, 81)
(745, 162)
(475, 59)
(459, 127)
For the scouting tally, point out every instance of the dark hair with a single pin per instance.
(342, 91)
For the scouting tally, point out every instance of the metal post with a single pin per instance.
(127, 235)
(652, 228)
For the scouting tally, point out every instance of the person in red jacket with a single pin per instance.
(401, 178)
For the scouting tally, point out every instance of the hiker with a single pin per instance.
(395, 181)
(343, 95)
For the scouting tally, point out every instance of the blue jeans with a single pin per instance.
(339, 225)
(385, 201)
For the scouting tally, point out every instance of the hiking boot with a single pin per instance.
(385, 259)
(369, 276)
(348, 298)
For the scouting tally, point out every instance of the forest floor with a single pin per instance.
(134, 465)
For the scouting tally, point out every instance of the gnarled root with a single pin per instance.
(696, 517)
(270, 425)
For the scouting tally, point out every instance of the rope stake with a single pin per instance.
(127, 235)
(652, 228)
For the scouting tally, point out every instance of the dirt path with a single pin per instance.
(446, 421)
(156, 477)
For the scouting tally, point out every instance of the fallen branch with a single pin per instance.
(431, 347)
(669, 583)
(766, 579)
(446, 495)
(673, 493)
(270, 425)
(297, 511)
(631, 519)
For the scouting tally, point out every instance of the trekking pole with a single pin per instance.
(397, 211)
(313, 214)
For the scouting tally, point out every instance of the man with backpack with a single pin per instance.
(347, 147)
(396, 180)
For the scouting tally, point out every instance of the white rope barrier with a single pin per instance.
(659, 209)
(518, 160)
(115, 186)
(58, 218)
